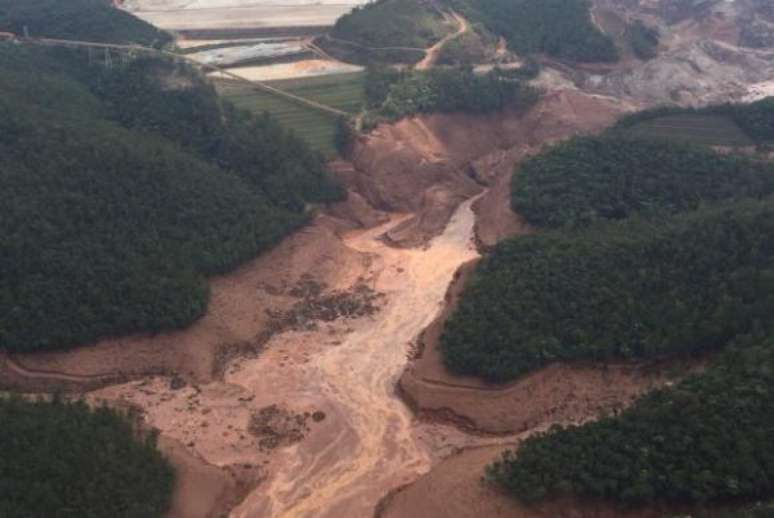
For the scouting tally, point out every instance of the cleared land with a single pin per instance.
(253, 16)
(342, 91)
(712, 130)
(306, 68)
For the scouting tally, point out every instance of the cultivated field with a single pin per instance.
(712, 130)
(342, 91)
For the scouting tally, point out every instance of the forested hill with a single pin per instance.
(115, 210)
(612, 177)
(66, 460)
(86, 20)
(559, 28)
(648, 249)
(634, 289)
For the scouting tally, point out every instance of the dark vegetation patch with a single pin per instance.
(709, 130)
(275, 427)
(562, 29)
(351, 52)
(643, 40)
(690, 268)
(66, 460)
(599, 178)
(386, 31)
(706, 439)
(637, 289)
(392, 94)
(85, 20)
(125, 186)
(317, 304)
(477, 45)
(723, 125)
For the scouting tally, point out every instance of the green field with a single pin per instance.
(711, 130)
(342, 91)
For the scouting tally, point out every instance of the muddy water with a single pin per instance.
(373, 447)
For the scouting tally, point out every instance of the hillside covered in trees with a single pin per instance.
(65, 460)
(85, 20)
(650, 249)
(612, 177)
(124, 187)
(708, 438)
(386, 31)
(559, 28)
(635, 289)
(392, 94)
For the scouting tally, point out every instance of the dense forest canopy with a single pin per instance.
(559, 28)
(65, 460)
(653, 248)
(153, 96)
(85, 20)
(622, 290)
(391, 23)
(392, 94)
(597, 178)
(708, 438)
(112, 218)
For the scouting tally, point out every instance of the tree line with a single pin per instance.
(635, 289)
(650, 249)
(63, 459)
(706, 439)
(396, 26)
(85, 20)
(391, 94)
(112, 219)
(591, 179)
(559, 28)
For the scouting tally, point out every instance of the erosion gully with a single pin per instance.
(376, 446)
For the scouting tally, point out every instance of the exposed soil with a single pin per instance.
(281, 400)
(427, 165)
(275, 427)
(332, 311)
(559, 393)
(432, 53)
(454, 489)
(236, 318)
(204, 490)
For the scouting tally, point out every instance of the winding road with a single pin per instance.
(432, 53)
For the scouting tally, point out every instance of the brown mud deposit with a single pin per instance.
(237, 318)
(454, 489)
(427, 165)
(281, 400)
(558, 393)
(333, 311)
(202, 489)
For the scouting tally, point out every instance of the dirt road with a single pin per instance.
(432, 53)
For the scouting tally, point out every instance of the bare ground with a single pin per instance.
(204, 386)
(236, 319)
(454, 489)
